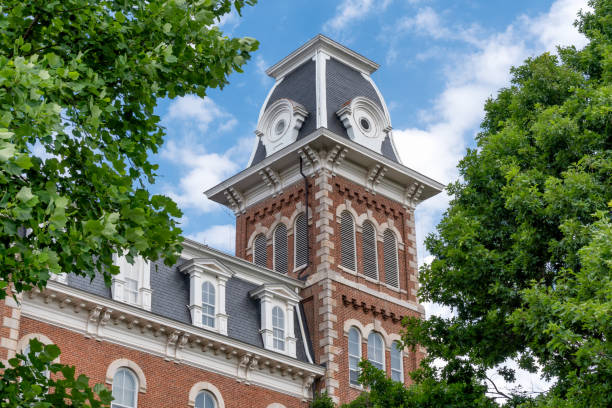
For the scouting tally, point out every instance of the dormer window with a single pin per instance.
(208, 304)
(133, 283)
(207, 279)
(277, 305)
(278, 328)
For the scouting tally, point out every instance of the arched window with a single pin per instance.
(278, 328)
(281, 263)
(300, 233)
(347, 240)
(354, 353)
(368, 242)
(390, 251)
(260, 252)
(376, 350)
(208, 304)
(397, 372)
(205, 400)
(26, 353)
(125, 389)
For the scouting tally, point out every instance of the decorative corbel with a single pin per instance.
(272, 179)
(375, 176)
(236, 200)
(412, 195)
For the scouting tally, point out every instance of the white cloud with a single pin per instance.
(261, 65)
(201, 112)
(200, 170)
(229, 21)
(351, 11)
(221, 237)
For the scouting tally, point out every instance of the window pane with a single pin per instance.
(208, 304)
(124, 389)
(376, 350)
(278, 328)
(131, 290)
(205, 400)
(396, 362)
(354, 349)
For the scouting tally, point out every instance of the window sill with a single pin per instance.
(355, 386)
(393, 288)
(299, 268)
(347, 270)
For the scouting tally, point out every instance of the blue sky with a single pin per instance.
(439, 62)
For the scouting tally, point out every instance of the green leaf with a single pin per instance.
(25, 194)
(44, 74)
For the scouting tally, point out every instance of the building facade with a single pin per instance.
(324, 271)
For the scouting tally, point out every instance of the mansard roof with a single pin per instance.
(323, 76)
(170, 293)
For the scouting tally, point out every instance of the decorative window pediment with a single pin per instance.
(280, 124)
(207, 279)
(365, 122)
(277, 302)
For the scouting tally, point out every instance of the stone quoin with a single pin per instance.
(324, 271)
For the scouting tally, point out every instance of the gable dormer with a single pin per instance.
(277, 306)
(207, 279)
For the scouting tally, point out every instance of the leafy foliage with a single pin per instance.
(79, 81)
(25, 384)
(522, 255)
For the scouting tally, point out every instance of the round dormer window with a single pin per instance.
(365, 124)
(280, 127)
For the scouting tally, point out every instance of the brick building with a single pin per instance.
(325, 265)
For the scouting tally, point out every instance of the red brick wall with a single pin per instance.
(168, 383)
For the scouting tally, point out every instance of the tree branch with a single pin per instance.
(496, 389)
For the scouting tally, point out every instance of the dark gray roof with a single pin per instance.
(170, 299)
(343, 84)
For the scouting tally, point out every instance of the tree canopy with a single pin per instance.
(79, 81)
(522, 256)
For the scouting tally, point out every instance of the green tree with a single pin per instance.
(79, 81)
(522, 256)
(36, 381)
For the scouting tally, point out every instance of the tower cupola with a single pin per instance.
(323, 85)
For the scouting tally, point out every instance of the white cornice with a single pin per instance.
(103, 311)
(330, 47)
(398, 184)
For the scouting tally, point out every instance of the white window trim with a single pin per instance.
(199, 271)
(271, 295)
(119, 283)
(205, 386)
(125, 363)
